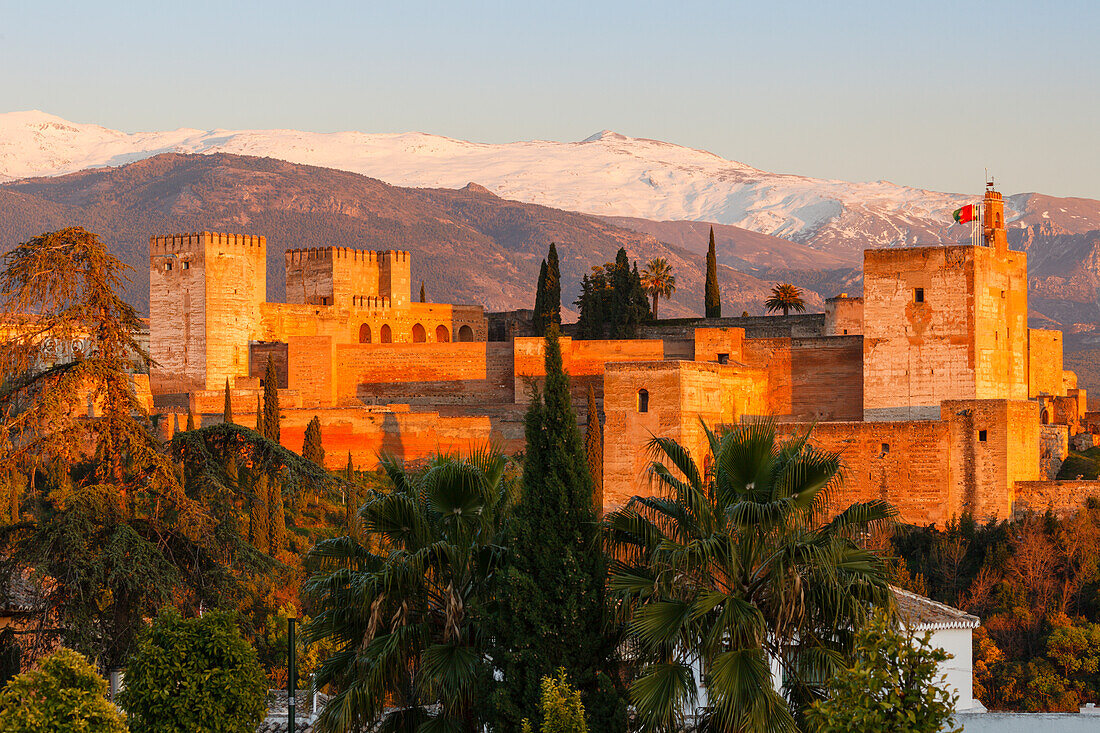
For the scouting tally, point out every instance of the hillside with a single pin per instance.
(468, 245)
(607, 174)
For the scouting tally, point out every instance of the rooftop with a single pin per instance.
(924, 614)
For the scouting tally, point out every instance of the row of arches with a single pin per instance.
(419, 334)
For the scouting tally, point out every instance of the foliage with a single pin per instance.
(658, 281)
(893, 685)
(548, 294)
(215, 680)
(64, 695)
(560, 707)
(612, 303)
(712, 299)
(313, 449)
(114, 532)
(227, 409)
(266, 485)
(785, 297)
(593, 448)
(735, 564)
(407, 619)
(1034, 582)
(423, 295)
(552, 610)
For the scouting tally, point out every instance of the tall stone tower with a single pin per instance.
(205, 291)
(944, 323)
(348, 278)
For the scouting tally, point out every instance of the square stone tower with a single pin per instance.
(347, 277)
(205, 291)
(944, 323)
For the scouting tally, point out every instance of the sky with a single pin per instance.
(920, 93)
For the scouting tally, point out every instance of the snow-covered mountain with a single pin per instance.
(607, 174)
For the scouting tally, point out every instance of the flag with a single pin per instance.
(966, 214)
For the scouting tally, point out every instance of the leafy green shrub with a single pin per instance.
(193, 675)
(1085, 464)
(64, 695)
(560, 706)
(892, 686)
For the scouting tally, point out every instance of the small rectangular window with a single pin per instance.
(723, 358)
(885, 448)
(918, 295)
(167, 265)
(185, 265)
(981, 436)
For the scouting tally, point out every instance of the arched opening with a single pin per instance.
(442, 335)
(364, 334)
(418, 334)
(643, 400)
(465, 333)
(1046, 417)
(387, 335)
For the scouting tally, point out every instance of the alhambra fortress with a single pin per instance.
(940, 397)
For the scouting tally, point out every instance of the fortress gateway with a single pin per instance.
(941, 398)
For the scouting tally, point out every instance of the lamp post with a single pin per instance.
(291, 653)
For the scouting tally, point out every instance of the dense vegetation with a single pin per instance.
(613, 303)
(1035, 583)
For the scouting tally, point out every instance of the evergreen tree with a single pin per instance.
(552, 609)
(712, 300)
(552, 289)
(590, 304)
(271, 403)
(351, 502)
(538, 320)
(312, 447)
(190, 421)
(259, 415)
(423, 295)
(258, 519)
(593, 448)
(227, 411)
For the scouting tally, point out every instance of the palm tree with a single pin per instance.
(785, 297)
(733, 567)
(658, 280)
(405, 616)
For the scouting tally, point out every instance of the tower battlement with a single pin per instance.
(175, 243)
(296, 256)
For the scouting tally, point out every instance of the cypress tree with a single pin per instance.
(271, 403)
(351, 503)
(712, 300)
(190, 421)
(551, 291)
(593, 449)
(227, 410)
(538, 321)
(552, 608)
(259, 415)
(423, 295)
(312, 447)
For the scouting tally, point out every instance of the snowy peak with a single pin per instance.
(607, 174)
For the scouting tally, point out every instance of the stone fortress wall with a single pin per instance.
(931, 386)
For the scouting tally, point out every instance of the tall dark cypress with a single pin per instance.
(351, 501)
(552, 290)
(713, 299)
(273, 489)
(423, 295)
(538, 321)
(227, 409)
(552, 610)
(593, 449)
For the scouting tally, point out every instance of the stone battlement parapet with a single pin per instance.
(172, 243)
(295, 256)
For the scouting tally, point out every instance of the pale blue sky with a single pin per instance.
(920, 93)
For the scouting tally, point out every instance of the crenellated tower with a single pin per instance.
(348, 278)
(205, 292)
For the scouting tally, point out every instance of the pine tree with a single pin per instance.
(423, 295)
(227, 411)
(551, 292)
(712, 300)
(552, 610)
(538, 320)
(593, 449)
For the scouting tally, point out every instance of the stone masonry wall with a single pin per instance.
(425, 374)
(1045, 374)
(1062, 497)
(583, 361)
(811, 378)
